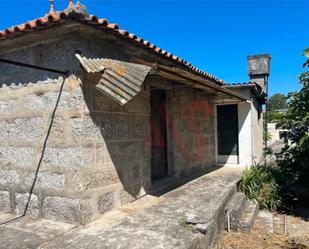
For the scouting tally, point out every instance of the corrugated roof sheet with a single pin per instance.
(120, 80)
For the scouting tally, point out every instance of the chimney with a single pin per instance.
(259, 70)
(51, 6)
(70, 5)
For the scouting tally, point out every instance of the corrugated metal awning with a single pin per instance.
(120, 80)
(179, 75)
(197, 82)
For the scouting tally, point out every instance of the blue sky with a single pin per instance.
(213, 35)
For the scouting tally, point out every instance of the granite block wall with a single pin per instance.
(94, 151)
(98, 153)
(94, 160)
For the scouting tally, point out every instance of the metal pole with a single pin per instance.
(228, 221)
(21, 64)
(285, 225)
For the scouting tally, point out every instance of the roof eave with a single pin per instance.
(50, 19)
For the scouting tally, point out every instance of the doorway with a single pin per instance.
(227, 134)
(159, 165)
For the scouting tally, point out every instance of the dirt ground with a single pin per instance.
(269, 234)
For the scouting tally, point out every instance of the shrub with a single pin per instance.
(259, 183)
(273, 116)
(293, 160)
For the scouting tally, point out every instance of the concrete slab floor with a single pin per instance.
(26, 233)
(168, 221)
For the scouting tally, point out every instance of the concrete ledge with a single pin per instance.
(190, 216)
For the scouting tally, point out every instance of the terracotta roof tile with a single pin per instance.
(63, 16)
(241, 84)
(113, 26)
(103, 21)
(123, 32)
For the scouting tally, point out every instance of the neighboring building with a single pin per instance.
(277, 134)
(126, 116)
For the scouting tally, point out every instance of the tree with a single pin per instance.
(274, 117)
(277, 101)
(293, 160)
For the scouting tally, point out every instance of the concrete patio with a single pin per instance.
(190, 216)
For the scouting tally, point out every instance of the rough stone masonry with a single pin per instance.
(98, 154)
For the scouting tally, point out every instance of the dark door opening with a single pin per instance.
(158, 135)
(227, 127)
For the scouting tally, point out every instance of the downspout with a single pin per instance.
(266, 120)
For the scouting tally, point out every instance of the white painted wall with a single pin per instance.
(245, 134)
(250, 136)
(257, 132)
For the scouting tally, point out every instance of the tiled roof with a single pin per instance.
(240, 84)
(58, 17)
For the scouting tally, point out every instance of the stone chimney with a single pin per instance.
(259, 70)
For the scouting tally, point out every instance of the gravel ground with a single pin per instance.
(261, 237)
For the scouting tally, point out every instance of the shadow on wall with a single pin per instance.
(121, 139)
(125, 137)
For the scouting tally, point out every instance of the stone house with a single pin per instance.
(93, 117)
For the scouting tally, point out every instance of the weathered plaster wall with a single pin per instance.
(192, 141)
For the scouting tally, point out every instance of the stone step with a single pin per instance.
(248, 216)
(234, 209)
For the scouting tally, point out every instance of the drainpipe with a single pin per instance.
(266, 120)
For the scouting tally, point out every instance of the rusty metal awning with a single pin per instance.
(120, 80)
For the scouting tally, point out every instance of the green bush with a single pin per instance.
(273, 116)
(293, 159)
(259, 183)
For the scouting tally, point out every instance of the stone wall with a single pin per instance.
(98, 154)
(94, 158)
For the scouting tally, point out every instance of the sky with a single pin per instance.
(215, 36)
